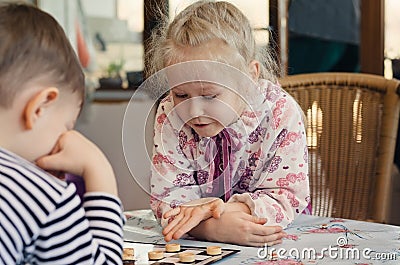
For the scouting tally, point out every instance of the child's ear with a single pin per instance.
(254, 70)
(38, 104)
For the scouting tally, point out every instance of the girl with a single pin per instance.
(230, 152)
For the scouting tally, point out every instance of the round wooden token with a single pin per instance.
(172, 247)
(155, 255)
(186, 257)
(213, 250)
(274, 256)
(128, 254)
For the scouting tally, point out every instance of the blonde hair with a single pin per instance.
(201, 22)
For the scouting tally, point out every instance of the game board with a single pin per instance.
(201, 258)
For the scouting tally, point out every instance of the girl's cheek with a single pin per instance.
(223, 113)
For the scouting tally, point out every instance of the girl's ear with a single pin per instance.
(37, 105)
(254, 70)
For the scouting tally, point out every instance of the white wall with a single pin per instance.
(100, 8)
(65, 12)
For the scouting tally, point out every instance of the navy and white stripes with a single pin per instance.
(42, 222)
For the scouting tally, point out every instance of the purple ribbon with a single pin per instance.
(220, 164)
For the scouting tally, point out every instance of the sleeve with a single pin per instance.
(172, 176)
(282, 191)
(95, 230)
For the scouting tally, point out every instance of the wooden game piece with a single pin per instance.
(186, 257)
(156, 255)
(172, 247)
(214, 250)
(274, 256)
(128, 254)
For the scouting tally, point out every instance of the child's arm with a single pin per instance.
(231, 223)
(223, 222)
(189, 215)
(282, 192)
(237, 227)
(91, 234)
(97, 233)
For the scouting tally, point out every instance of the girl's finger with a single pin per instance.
(187, 213)
(187, 226)
(256, 220)
(218, 209)
(268, 230)
(173, 223)
(263, 244)
(266, 239)
(172, 212)
(172, 227)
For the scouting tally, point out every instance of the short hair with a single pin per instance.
(201, 22)
(35, 50)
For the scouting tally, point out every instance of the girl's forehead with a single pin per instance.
(199, 86)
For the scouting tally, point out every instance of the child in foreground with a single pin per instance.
(230, 151)
(41, 95)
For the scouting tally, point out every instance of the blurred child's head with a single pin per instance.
(41, 81)
(215, 31)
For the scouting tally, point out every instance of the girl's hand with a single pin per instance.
(189, 215)
(73, 153)
(239, 228)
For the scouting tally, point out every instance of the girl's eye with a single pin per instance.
(210, 96)
(180, 95)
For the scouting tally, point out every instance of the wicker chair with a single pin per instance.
(352, 121)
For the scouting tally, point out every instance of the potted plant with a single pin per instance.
(113, 79)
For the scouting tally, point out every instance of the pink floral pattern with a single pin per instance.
(268, 159)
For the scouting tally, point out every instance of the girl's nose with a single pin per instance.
(195, 107)
(189, 109)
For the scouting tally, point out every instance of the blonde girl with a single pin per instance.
(229, 162)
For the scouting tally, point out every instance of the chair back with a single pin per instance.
(352, 121)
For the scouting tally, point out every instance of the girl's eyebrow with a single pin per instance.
(209, 89)
(179, 87)
(209, 86)
(177, 90)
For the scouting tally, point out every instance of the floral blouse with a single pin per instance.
(259, 160)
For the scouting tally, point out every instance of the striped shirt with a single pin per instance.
(42, 220)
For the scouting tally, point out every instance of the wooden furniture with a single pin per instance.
(352, 122)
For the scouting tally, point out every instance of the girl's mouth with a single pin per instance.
(200, 125)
